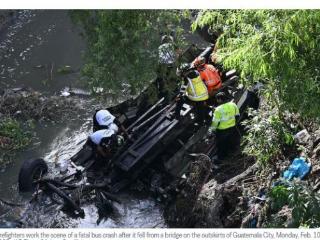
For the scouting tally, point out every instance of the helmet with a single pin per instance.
(166, 39)
(193, 74)
(199, 61)
(182, 69)
(104, 118)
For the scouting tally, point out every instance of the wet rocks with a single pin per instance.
(302, 137)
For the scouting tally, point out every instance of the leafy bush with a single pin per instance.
(12, 134)
(279, 195)
(123, 45)
(304, 203)
(279, 46)
(266, 135)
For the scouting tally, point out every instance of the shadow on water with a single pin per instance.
(35, 43)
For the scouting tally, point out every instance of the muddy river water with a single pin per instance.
(33, 46)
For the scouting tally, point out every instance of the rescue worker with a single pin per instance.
(166, 79)
(166, 50)
(197, 92)
(103, 143)
(103, 119)
(209, 75)
(223, 124)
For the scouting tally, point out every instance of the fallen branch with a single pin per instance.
(244, 174)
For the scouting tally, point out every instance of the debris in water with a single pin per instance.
(98, 89)
(65, 94)
(39, 66)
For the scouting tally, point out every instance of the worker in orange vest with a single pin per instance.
(209, 75)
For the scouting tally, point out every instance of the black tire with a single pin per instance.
(29, 172)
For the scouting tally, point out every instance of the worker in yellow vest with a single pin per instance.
(196, 89)
(197, 92)
(224, 125)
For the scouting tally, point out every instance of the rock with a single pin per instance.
(302, 137)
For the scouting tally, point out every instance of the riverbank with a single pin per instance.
(21, 109)
(246, 192)
(35, 46)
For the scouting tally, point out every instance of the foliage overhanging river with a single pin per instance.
(31, 45)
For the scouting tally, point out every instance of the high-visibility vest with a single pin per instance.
(224, 116)
(197, 90)
(211, 77)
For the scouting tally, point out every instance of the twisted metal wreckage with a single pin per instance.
(164, 136)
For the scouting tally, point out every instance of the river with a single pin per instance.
(34, 46)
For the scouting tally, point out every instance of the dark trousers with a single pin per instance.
(166, 82)
(228, 140)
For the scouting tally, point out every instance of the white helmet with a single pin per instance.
(104, 117)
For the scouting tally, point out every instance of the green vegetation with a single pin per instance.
(123, 44)
(303, 203)
(266, 136)
(16, 137)
(279, 195)
(279, 47)
(12, 137)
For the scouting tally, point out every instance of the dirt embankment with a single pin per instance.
(238, 194)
